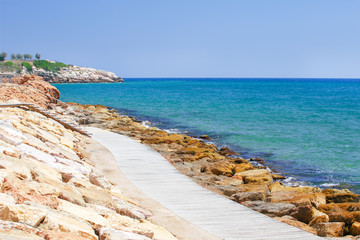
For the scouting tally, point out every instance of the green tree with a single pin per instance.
(19, 56)
(13, 56)
(37, 56)
(27, 56)
(3, 56)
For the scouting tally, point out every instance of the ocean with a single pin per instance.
(306, 129)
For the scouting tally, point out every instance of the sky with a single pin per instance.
(190, 38)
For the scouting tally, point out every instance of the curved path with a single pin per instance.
(157, 178)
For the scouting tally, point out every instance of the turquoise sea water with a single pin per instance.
(308, 129)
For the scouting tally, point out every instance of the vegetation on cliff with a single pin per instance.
(49, 66)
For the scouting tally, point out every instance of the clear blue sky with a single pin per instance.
(190, 38)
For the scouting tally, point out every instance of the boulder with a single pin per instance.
(355, 229)
(340, 196)
(295, 223)
(247, 196)
(340, 215)
(297, 198)
(255, 176)
(22, 213)
(271, 209)
(67, 223)
(303, 213)
(241, 167)
(19, 231)
(88, 214)
(97, 178)
(56, 235)
(330, 229)
(112, 234)
(318, 217)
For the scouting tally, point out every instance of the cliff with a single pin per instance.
(63, 74)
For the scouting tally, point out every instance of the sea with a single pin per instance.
(305, 129)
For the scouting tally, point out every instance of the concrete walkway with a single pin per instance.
(157, 178)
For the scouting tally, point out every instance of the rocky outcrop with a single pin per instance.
(29, 89)
(75, 74)
(69, 74)
(50, 188)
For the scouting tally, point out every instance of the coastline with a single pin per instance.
(314, 210)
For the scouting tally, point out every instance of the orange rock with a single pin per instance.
(299, 199)
(340, 215)
(55, 235)
(355, 229)
(330, 229)
(340, 196)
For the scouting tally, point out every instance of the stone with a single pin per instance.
(340, 215)
(340, 196)
(330, 229)
(303, 213)
(56, 235)
(222, 168)
(97, 178)
(6, 199)
(112, 234)
(247, 196)
(19, 231)
(355, 229)
(241, 167)
(271, 209)
(318, 217)
(22, 213)
(66, 191)
(88, 214)
(295, 223)
(97, 196)
(68, 223)
(130, 210)
(255, 176)
(297, 198)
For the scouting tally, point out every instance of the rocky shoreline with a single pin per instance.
(325, 212)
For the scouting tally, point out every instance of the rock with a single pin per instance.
(277, 176)
(22, 213)
(255, 176)
(55, 235)
(355, 229)
(226, 152)
(295, 223)
(297, 198)
(351, 207)
(330, 229)
(222, 168)
(340, 215)
(340, 196)
(87, 214)
(205, 137)
(241, 167)
(247, 196)
(303, 213)
(112, 234)
(68, 223)
(66, 191)
(97, 178)
(271, 209)
(318, 217)
(19, 231)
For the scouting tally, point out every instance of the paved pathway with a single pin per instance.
(157, 178)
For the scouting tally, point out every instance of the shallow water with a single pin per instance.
(308, 129)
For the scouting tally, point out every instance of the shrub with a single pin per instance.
(27, 66)
(3, 56)
(49, 66)
(9, 64)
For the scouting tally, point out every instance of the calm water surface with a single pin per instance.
(307, 128)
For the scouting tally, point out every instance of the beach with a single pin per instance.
(326, 212)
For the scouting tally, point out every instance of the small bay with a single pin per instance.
(308, 129)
